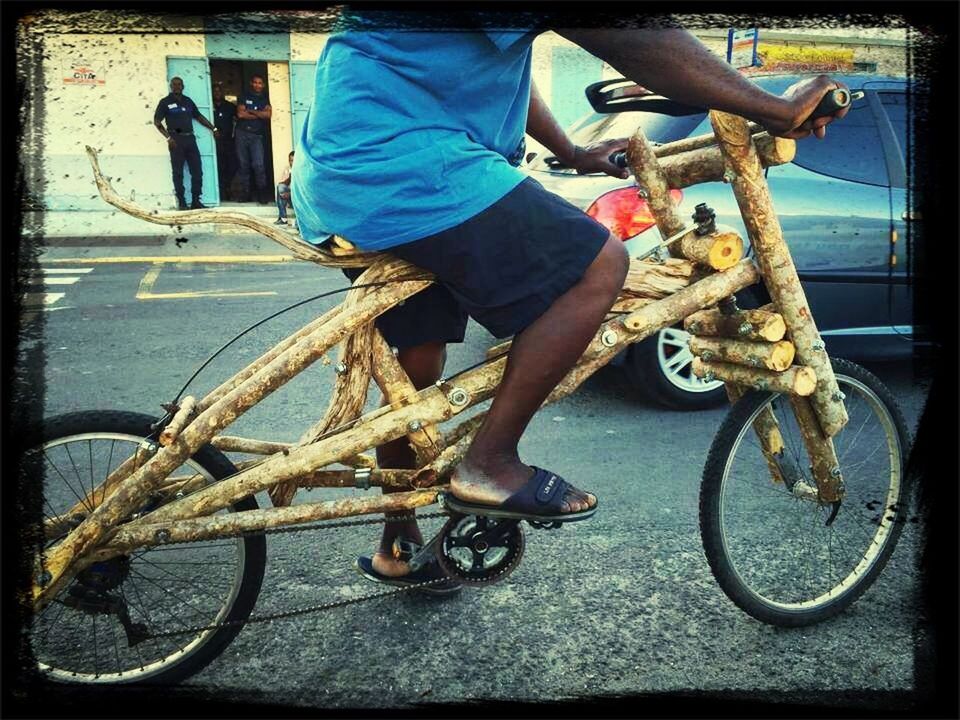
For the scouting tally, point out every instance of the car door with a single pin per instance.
(834, 204)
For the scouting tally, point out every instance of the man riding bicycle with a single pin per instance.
(411, 147)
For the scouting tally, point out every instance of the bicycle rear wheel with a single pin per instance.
(776, 553)
(113, 622)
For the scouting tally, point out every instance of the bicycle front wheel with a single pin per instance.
(129, 619)
(776, 552)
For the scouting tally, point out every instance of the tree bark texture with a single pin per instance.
(219, 415)
(697, 142)
(760, 325)
(188, 407)
(616, 334)
(706, 164)
(796, 380)
(426, 441)
(779, 273)
(297, 247)
(776, 356)
(229, 443)
(823, 456)
(268, 357)
(130, 536)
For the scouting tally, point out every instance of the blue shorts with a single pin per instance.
(504, 267)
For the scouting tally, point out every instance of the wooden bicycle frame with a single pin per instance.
(656, 295)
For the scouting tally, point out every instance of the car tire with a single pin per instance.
(660, 369)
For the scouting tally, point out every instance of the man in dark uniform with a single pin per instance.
(224, 117)
(179, 112)
(253, 115)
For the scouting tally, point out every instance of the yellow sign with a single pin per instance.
(82, 73)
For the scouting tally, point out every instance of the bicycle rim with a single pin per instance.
(165, 588)
(785, 561)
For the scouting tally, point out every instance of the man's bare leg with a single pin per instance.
(424, 365)
(540, 357)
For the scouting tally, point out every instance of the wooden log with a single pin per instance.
(199, 432)
(379, 477)
(425, 440)
(297, 247)
(229, 443)
(705, 165)
(616, 334)
(768, 433)
(499, 349)
(268, 357)
(823, 456)
(188, 407)
(376, 428)
(779, 273)
(629, 305)
(697, 142)
(776, 356)
(796, 380)
(703, 293)
(718, 250)
(654, 186)
(138, 535)
(655, 280)
(760, 325)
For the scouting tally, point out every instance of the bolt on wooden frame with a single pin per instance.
(707, 269)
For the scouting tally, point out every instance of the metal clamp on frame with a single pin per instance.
(361, 478)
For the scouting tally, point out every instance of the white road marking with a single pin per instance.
(64, 271)
(41, 299)
(52, 280)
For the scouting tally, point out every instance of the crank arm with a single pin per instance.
(425, 554)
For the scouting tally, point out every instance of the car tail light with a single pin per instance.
(624, 213)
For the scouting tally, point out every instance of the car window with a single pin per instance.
(851, 149)
(658, 128)
(895, 106)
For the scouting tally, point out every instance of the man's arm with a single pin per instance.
(543, 127)
(198, 116)
(673, 63)
(157, 118)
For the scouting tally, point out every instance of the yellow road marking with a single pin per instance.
(155, 260)
(145, 291)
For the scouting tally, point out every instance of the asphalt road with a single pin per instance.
(620, 605)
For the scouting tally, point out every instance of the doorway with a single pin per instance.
(234, 77)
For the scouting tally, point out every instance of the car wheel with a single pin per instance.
(660, 368)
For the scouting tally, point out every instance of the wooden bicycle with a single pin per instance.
(802, 498)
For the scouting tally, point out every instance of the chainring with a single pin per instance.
(479, 550)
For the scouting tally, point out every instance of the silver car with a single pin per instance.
(842, 204)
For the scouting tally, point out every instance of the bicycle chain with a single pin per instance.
(252, 620)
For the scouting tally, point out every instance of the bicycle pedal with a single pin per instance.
(551, 525)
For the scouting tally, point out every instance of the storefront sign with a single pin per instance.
(83, 73)
(742, 47)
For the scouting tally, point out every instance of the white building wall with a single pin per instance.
(116, 117)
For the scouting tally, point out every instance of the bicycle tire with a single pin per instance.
(175, 582)
(751, 558)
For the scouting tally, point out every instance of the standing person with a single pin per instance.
(406, 148)
(224, 118)
(178, 111)
(283, 192)
(253, 116)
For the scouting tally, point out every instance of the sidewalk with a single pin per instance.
(113, 235)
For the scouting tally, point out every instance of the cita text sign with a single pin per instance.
(742, 48)
(83, 73)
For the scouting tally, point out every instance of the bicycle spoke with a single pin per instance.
(67, 482)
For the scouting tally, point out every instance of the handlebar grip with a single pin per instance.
(619, 158)
(836, 99)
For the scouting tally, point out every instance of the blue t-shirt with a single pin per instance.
(409, 132)
(253, 101)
